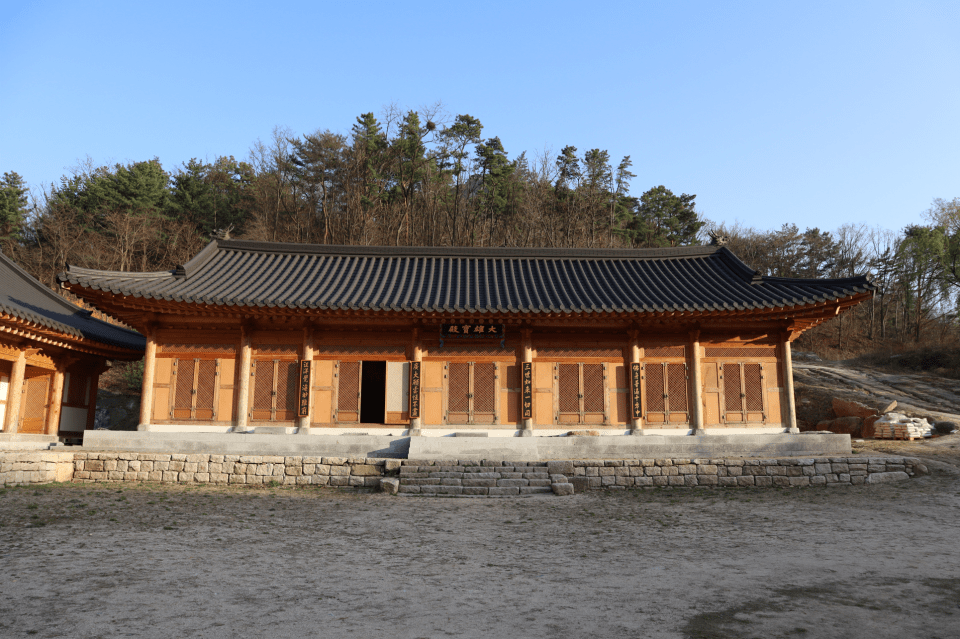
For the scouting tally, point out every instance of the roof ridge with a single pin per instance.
(451, 251)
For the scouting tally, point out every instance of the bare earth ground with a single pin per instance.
(150, 561)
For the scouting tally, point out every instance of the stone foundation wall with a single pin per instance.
(428, 477)
(357, 472)
(20, 468)
(822, 471)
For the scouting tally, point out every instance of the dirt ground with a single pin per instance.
(156, 561)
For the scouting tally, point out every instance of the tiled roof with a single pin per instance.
(22, 296)
(468, 280)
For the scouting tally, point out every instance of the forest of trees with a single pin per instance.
(413, 179)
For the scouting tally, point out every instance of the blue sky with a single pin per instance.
(815, 113)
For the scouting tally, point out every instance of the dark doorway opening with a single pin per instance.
(373, 393)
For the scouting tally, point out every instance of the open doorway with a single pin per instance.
(373, 393)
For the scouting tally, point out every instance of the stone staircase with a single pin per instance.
(481, 478)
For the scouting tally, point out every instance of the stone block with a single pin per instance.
(504, 490)
(512, 483)
(652, 471)
(676, 480)
(341, 470)
(802, 480)
(844, 408)
(334, 461)
(727, 482)
(687, 469)
(451, 481)
(356, 481)
(541, 482)
(293, 471)
(707, 469)
(475, 490)
(643, 481)
(886, 477)
(763, 481)
(169, 476)
(608, 480)
(690, 480)
(93, 465)
(710, 480)
(365, 470)
(560, 467)
(818, 480)
(781, 481)
(338, 480)
(623, 480)
(391, 465)
(320, 480)
(795, 471)
(580, 483)
(413, 490)
(660, 480)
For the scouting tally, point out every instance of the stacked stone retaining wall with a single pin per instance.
(428, 477)
(22, 468)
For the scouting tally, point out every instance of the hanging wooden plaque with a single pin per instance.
(527, 394)
(304, 409)
(414, 390)
(635, 389)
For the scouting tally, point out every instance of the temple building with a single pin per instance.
(51, 356)
(267, 337)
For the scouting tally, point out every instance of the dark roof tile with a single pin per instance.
(469, 280)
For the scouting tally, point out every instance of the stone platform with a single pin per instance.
(472, 448)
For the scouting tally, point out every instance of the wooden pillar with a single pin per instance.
(526, 430)
(56, 401)
(787, 364)
(243, 379)
(307, 357)
(149, 377)
(416, 352)
(696, 381)
(633, 347)
(15, 393)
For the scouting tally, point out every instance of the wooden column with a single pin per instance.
(633, 346)
(243, 379)
(787, 364)
(307, 357)
(15, 394)
(149, 376)
(526, 429)
(56, 402)
(416, 352)
(696, 381)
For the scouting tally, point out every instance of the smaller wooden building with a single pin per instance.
(51, 356)
(436, 341)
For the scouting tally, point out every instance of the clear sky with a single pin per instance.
(815, 113)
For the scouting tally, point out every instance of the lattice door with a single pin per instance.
(34, 404)
(580, 394)
(274, 390)
(194, 389)
(348, 392)
(471, 393)
(743, 392)
(665, 392)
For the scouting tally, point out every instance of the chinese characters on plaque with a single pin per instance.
(527, 390)
(635, 389)
(414, 390)
(471, 331)
(304, 388)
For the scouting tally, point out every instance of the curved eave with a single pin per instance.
(36, 332)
